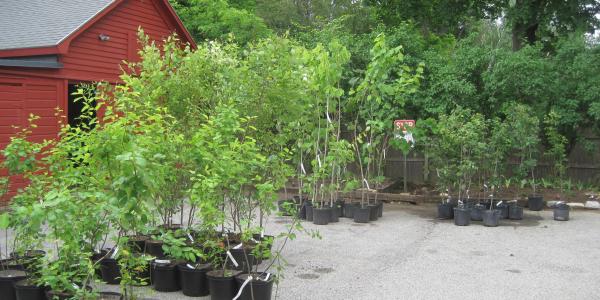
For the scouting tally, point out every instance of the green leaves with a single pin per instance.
(4, 221)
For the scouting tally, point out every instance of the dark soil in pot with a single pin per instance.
(373, 212)
(243, 256)
(462, 216)
(535, 202)
(349, 210)
(193, 280)
(11, 264)
(361, 214)
(7, 281)
(477, 212)
(25, 290)
(336, 210)
(561, 212)
(154, 248)
(491, 218)
(109, 296)
(445, 211)
(111, 274)
(515, 212)
(256, 289)
(321, 216)
(309, 212)
(222, 286)
(165, 277)
(503, 207)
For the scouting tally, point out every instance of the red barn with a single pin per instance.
(47, 47)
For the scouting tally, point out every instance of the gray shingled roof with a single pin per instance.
(43, 23)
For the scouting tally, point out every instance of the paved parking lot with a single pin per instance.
(408, 254)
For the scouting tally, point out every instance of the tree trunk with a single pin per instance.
(516, 37)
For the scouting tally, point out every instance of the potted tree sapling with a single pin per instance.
(328, 150)
(557, 153)
(524, 134)
(375, 102)
(491, 216)
(499, 144)
(461, 140)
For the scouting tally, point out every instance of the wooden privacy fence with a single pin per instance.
(583, 165)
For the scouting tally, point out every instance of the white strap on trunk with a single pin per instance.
(242, 287)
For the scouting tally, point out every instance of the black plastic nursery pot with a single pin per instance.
(154, 248)
(349, 210)
(193, 280)
(445, 211)
(11, 264)
(339, 205)
(165, 277)
(503, 207)
(515, 212)
(336, 210)
(477, 212)
(561, 212)
(137, 243)
(25, 290)
(380, 209)
(535, 202)
(302, 209)
(362, 214)
(256, 289)
(309, 211)
(321, 216)
(244, 257)
(111, 274)
(491, 218)
(462, 216)
(222, 286)
(373, 212)
(7, 282)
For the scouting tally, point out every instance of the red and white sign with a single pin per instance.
(404, 124)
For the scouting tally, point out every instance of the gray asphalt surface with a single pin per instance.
(408, 254)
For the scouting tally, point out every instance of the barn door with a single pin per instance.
(12, 97)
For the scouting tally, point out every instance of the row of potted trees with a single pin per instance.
(473, 151)
(165, 181)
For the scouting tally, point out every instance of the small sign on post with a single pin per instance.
(404, 125)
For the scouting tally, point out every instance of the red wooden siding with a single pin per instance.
(87, 54)
(89, 59)
(20, 97)
(85, 59)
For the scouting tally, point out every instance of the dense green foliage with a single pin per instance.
(310, 86)
(482, 55)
